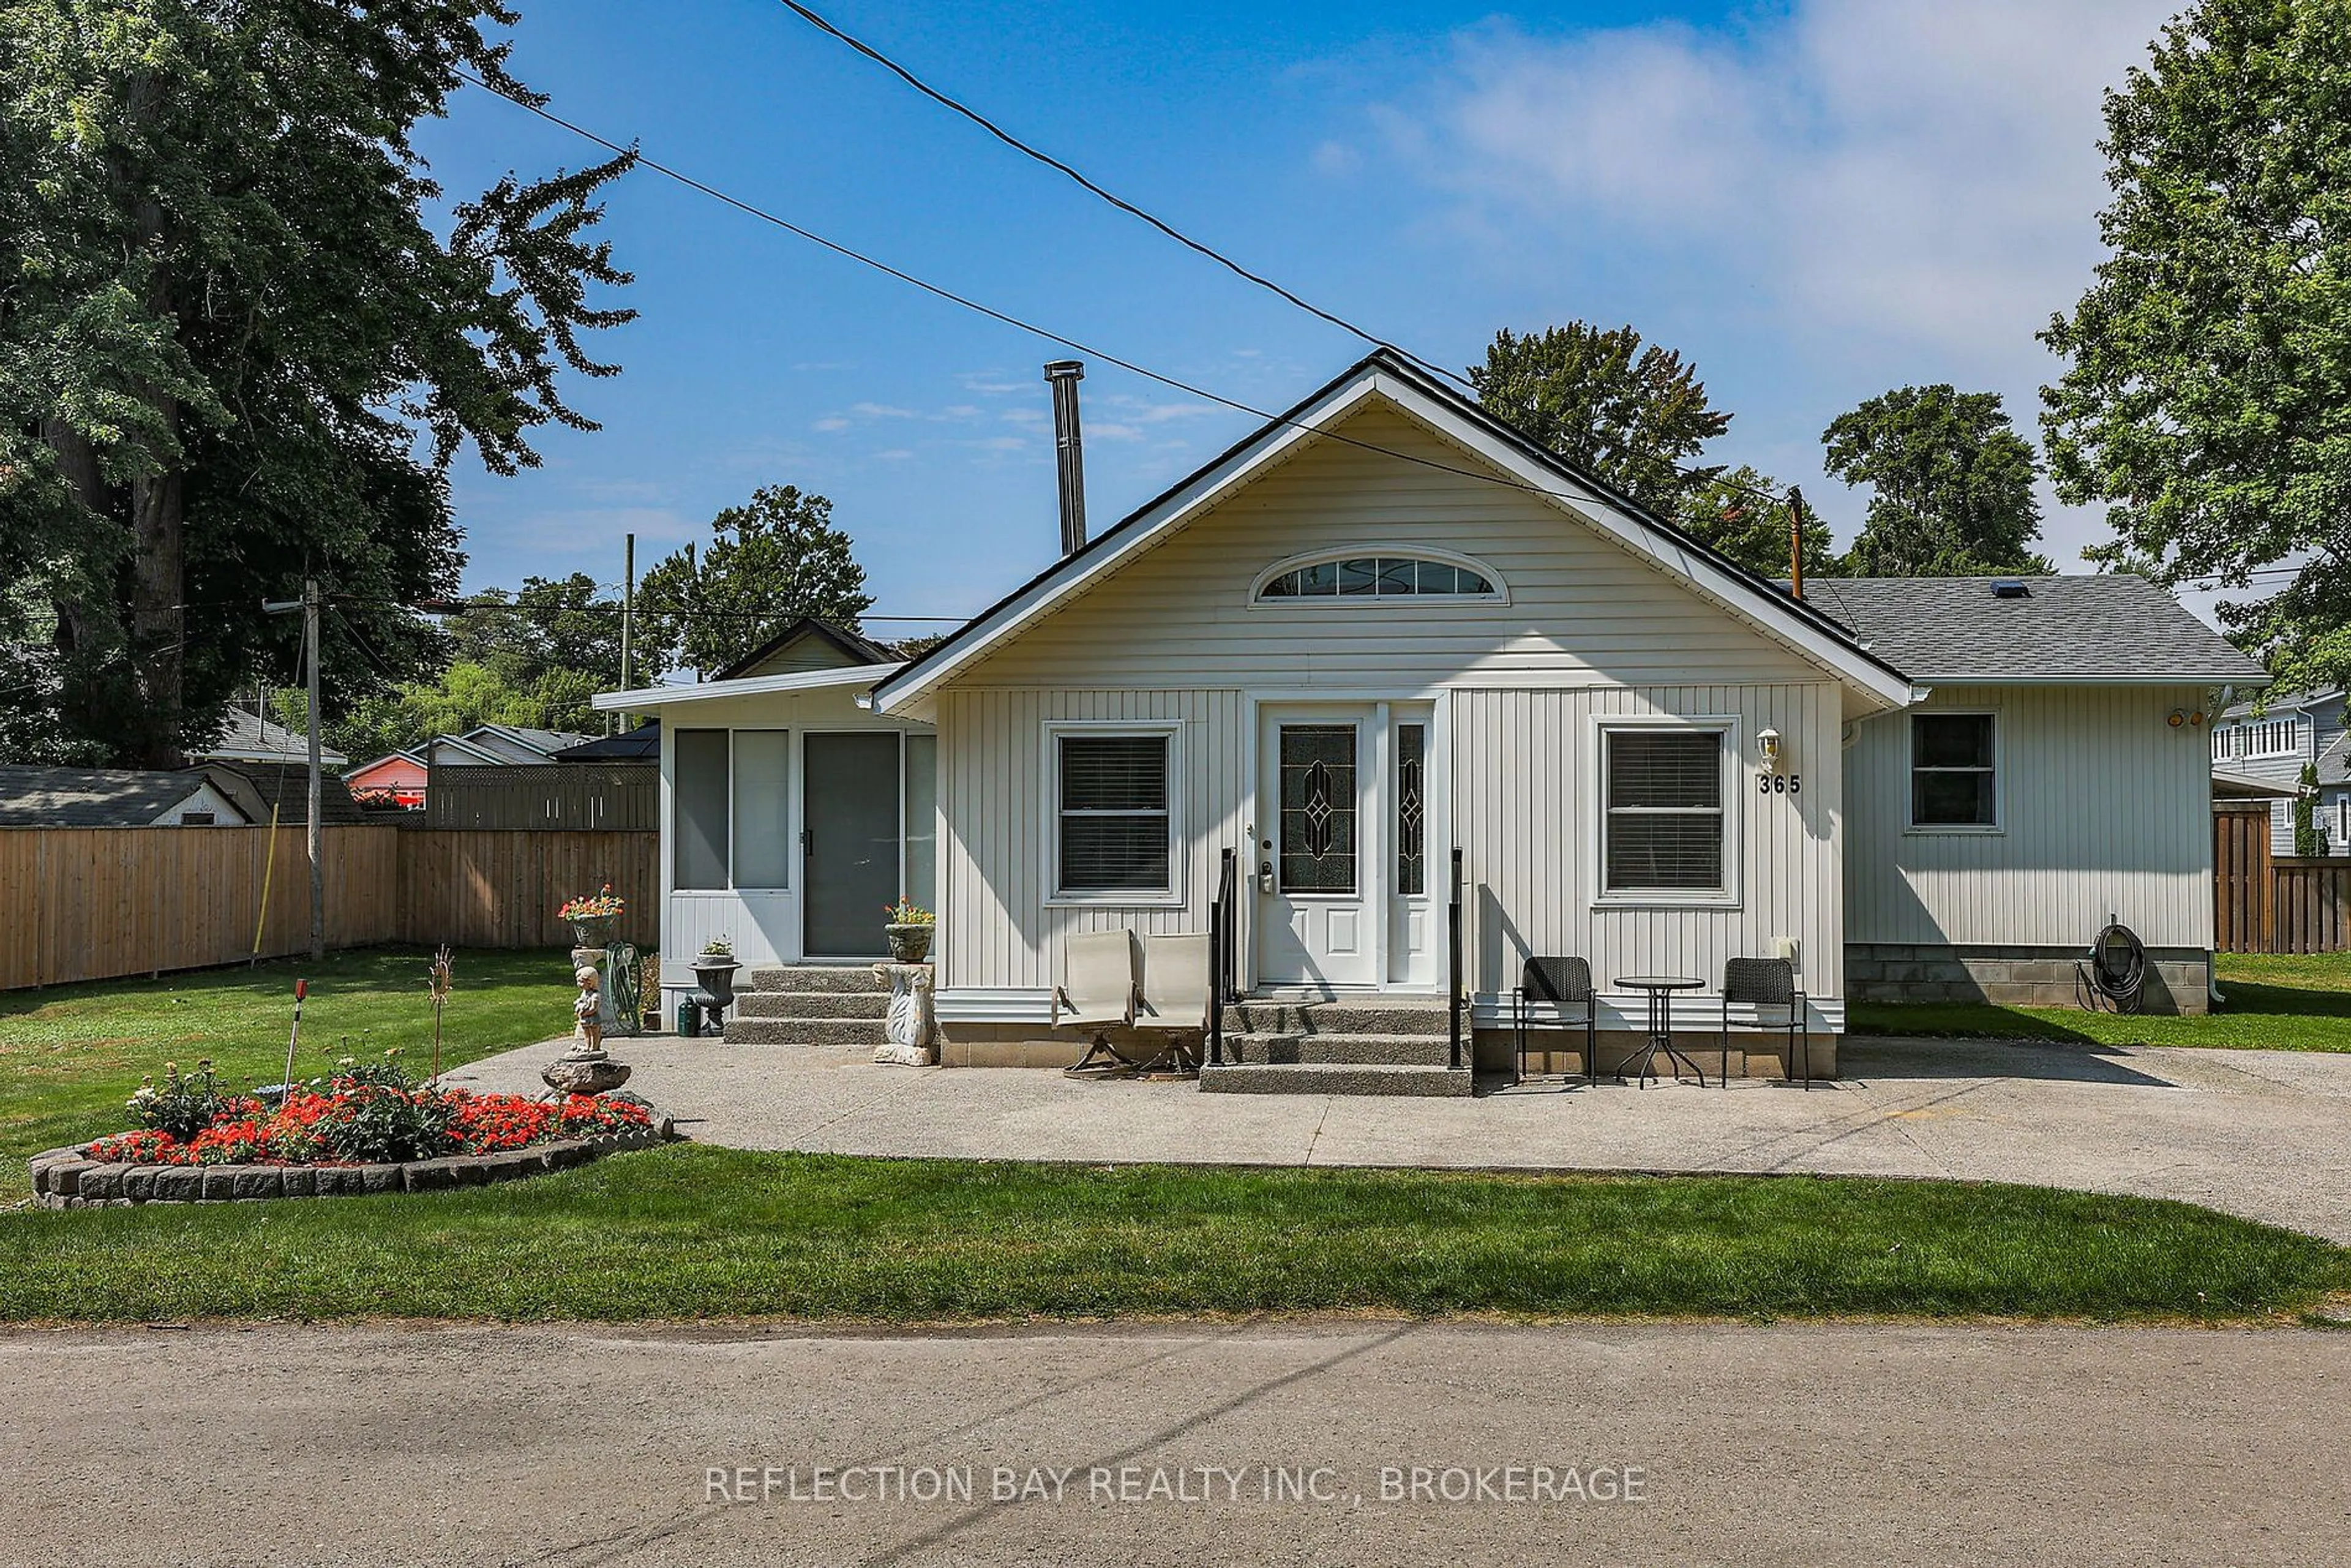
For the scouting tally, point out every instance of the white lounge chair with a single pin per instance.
(1097, 990)
(1175, 1000)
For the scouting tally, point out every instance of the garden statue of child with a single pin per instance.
(587, 1009)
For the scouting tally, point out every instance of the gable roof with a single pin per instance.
(642, 744)
(1794, 624)
(2108, 628)
(286, 786)
(545, 742)
(252, 738)
(33, 797)
(849, 647)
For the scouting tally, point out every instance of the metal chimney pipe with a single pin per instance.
(1063, 376)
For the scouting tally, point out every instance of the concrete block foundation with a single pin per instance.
(2178, 979)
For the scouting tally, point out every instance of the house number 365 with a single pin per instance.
(1779, 783)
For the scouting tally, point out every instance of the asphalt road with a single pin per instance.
(1683, 1443)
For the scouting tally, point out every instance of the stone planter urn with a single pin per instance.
(714, 976)
(596, 933)
(909, 944)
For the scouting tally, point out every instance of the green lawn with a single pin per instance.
(689, 1231)
(2297, 1002)
(70, 1055)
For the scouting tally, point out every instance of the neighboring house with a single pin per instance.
(640, 744)
(1387, 627)
(251, 738)
(2273, 744)
(395, 780)
(496, 745)
(34, 797)
(276, 761)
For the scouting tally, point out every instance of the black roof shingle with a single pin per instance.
(2108, 627)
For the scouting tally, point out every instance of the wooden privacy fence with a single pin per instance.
(502, 889)
(2263, 902)
(89, 903)
(579, 797)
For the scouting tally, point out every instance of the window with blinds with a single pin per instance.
(1115, 827)
(1664, 810)
(1953, 777)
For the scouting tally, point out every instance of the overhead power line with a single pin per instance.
(1175, 383)
(1115, 200)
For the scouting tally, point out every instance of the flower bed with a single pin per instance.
(367, 1129)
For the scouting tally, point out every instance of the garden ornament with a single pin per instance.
(589, 1039)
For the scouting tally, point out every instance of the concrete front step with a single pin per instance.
(812, 977)
(1332, 1078)
(1340, 1017)
(1340, 1049)
(743, 1030)
(811, 1005)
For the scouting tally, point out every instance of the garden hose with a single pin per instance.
(2113, 972)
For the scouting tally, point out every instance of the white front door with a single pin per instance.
(1321, 894)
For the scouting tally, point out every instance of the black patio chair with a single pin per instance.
(1769, 986)
(1566, 984)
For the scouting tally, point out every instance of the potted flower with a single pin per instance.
(594, 918)
(714, 972)
(910, 928)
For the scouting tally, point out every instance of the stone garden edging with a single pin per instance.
(68, 1178)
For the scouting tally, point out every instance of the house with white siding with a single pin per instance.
(1386, 636)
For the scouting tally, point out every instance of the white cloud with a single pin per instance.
(893, 455)
(1913, 169)
(881, 411)
(831, 422)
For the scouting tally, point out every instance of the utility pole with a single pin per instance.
(1796, 540)
(627, 613)
(308, 605)
(317, 834)
(692, 593)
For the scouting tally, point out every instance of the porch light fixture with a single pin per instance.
(1767, 744)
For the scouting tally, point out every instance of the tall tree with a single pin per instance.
(1744, 515)
(1952, 485)
(2208, 401)
(1631, 415)
(768, 561)
(234, 309)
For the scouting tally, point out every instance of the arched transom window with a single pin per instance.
(1381, 575)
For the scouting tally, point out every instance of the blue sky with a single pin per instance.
(1815, 201)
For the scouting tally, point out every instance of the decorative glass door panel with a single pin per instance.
(1412, 901)
(1318, 809)
(1319, 860)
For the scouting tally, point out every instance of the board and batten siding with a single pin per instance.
(1524, 777)
(1587, 629)
(1579, 607)
(2106, 809)
(996, 928)
(1526, 790)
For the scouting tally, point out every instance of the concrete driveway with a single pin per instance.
(2265, 1134)
(1794, 1445)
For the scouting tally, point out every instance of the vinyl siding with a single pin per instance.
(996, 926)
(1580, 606)
(2105, 808)
(1526, 790)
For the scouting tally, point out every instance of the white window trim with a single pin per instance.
(1999, 823)
(1501, 594)
(1730, 728)
(1173, 896)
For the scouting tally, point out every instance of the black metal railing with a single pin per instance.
(1453, 960)
(1220, 957)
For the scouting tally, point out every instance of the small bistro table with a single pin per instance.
(1660, 1035)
